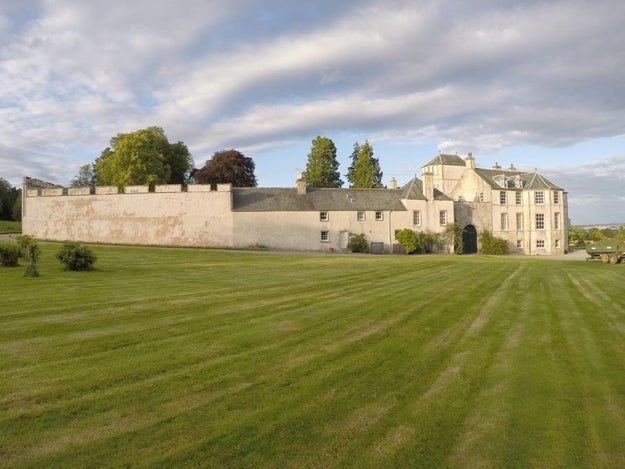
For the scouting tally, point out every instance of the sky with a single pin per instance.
(537, 84)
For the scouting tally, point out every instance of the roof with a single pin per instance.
(253, 199)
(450, 160)
(530, 180)
(413, 190)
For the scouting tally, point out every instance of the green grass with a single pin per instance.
(10, 227)
(182, 357)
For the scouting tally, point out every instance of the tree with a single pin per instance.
(17, 207)
(85, 177)
(8, 195)
(227, 166)
(143, 157)
(322, 165)
(364, 171)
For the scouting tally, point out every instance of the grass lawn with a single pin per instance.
(182, 357)
(10, 227)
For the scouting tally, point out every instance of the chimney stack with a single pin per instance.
(496, 166)
(470, 161)
(428, 185)
(301, 183)
(393, 183)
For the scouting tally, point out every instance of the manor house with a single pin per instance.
(526, 209)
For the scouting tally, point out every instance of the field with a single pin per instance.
(182, 357)
(10, 227)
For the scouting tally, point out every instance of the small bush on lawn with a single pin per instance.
(9, 254)
(30, 251)
(492, 245)
(358, 243)
(76, 257)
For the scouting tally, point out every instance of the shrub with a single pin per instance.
(9, 254)
(409, 240)
(492, 245)
(358, 243)
(30, 251)
(76, 257)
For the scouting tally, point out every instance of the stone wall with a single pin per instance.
(167, 216)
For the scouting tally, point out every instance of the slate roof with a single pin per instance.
(451, 160)
(413, 190)
(253, 199)
(531, 180)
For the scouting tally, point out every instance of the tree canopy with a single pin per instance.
(8, 199)
(322, 167)
(144, 156)
(227, 166)
(85, 177)
(364, 171)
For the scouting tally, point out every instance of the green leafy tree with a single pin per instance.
(8, 194)
(85, 177)
(227, 166)
(143, 157)
(17, 207)
(365, 170)
(322, 167)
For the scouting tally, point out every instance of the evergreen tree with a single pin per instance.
(322, 167)
(365, 170)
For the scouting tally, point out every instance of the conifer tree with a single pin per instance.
(365, 170)
(322, 167)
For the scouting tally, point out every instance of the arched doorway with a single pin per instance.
(469, 240)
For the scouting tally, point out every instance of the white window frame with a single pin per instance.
(556, 221)
(540, 244)
(519, 198)
(540, 221)
(556, 198)
(361, 215)
(379, 215)
(539, 197)
(416, 217)
(324, 216)
(557, 243)
(519, 221)
(504, 222)
(325, 236)
(442, 217)
(503, 198)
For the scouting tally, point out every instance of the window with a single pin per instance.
(504, 222)
(360, 216)
(556, 221)
(502, 197)
(379, 216)
(324, 216)
(519, 221)
(519, 196)
(480, 197)
(539, 197)
(540, 221)
(442, 215)
(557, 243)
(325, 236)
(416, 218)
(540, 243)
(556, 197)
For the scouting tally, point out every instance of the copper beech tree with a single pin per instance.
(227, 166)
